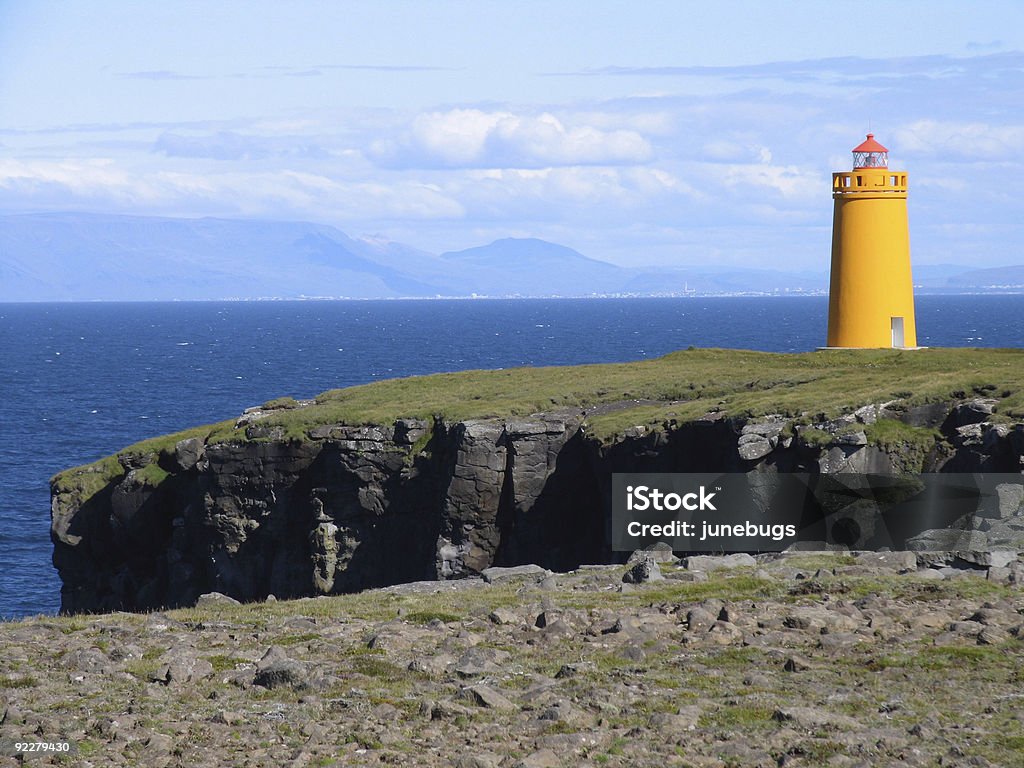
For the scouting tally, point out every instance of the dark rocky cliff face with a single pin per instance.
(350, 508)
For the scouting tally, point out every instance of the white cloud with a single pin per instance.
(719, 169)
(790, 181)
(275, 193)
(967, 140)
(472, 138)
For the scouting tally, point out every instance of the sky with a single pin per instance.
(642, 133)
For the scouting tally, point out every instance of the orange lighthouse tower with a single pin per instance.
(871, 295)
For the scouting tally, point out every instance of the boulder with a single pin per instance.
(753, 447)
(277, 670)
(715, 562)
(497, 574)
(644, 570)
(972, 412)
(188, 453)
(900, 561)
(488, 697)
(214, 599)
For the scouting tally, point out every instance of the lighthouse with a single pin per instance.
(871, 295)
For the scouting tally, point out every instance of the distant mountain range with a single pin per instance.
(86, 257)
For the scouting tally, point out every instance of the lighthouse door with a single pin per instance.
(897, 332)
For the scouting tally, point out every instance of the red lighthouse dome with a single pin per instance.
(870, 154)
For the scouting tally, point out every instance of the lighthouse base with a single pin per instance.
(901, 349)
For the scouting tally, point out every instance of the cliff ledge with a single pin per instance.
(440, 477)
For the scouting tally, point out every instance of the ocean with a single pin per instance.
(80, 381)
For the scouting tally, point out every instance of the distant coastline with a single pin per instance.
(92, 257)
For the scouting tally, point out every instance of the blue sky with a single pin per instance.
(671, 133)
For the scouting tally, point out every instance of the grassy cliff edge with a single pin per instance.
(675, 388)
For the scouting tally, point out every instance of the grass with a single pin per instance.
(678, 387)
(8, 681)
(224, 663)
(425, 617)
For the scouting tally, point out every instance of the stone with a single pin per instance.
(575, 668)
(498, 575)
(214, 599)
(646, 569)
(479, 760)
(481, 661)
(972, 412)
(753, 447)
(228, 717)
(542, 758)
(795, 663)
(999, 575)
(947, 540)
(324, 547)
(1011, 499)
(724, 633)
(867, 414)
(548, 583)
(900, 561)
(660, 552)
(181, 665)
(502, 615)
(546, 619)
(433, 664)
(992, 636)
(276, 670)
(812, 718)
(989, 558)
(90, 660)
(488, 697)
(408, 431)
(852, 438)
(699, 619)
(715, 562)
(188, 453)
(156, 750)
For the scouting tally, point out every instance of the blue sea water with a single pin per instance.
(79, 381)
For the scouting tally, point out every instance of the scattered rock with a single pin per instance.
(899, 561)
(753, 447)
(646, 569)
(277, 670)
(542, 758)
(481, 661)
(714, 562)
(812, 718)
(212, 599)
(181, 665)
(497, 575)
(505, 616)
(488, 697)
(577, 668)
(795, 663)
(660, 552)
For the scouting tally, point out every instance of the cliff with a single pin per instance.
(440, 477)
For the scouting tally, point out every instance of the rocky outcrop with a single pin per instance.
(345, 508)
(800, 660)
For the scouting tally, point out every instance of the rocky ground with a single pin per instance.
(816, 660)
